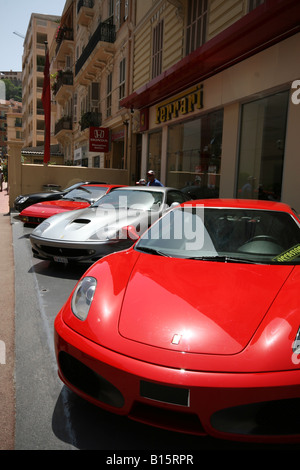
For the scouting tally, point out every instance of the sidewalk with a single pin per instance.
(7, 321)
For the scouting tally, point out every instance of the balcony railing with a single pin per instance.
(63, 78)
(90, 119)
(105, 32)
(64, 123)
(63, 33)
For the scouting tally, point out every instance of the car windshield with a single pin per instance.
(226, 235)
(135, 199)
(85, 193)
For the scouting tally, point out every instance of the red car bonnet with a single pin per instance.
(176, 304)
(49, 208)
(197, 306)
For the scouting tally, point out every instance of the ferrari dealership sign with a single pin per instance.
(99, 139)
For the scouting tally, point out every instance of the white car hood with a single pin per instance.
(85, 223)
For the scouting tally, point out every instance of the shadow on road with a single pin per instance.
(87, 427)
(55, 270)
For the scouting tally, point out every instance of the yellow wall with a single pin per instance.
(29, 178)
(172, 44)
(222, 14)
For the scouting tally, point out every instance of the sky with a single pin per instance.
(15, 17)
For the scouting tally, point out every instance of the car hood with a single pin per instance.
(49, 208)
(197, 306)
(80, 225)
(41, 195)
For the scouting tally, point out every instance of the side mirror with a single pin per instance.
(130, 232)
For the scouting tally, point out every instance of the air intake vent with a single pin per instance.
(81, 221)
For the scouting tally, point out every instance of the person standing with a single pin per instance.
(152, 181)
(1, 179)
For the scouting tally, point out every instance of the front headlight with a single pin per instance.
(296, 343)
(83, 297)
(41, 228)
(296, 349)
(22, 199)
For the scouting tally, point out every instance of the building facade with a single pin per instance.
(14, 77)
(213, 83)
(14, 121)
(41, 30)
(10, 125)
(198, 90)
(90, 60)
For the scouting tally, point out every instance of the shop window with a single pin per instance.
(154, 153)
(196, 24)
(194, 155)
(118, 161)
(261, 154)
(96, 161)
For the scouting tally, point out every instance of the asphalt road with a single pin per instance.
(48, 415)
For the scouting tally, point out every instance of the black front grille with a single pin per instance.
(65, 252)
(277, 417)
(89, 382)
(168, 419)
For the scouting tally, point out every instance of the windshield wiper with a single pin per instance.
(153, 251)
(224, 259)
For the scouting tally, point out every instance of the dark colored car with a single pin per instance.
(26, 200)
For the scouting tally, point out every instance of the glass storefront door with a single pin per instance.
(194, 155)
(261, 154)
(154, 153)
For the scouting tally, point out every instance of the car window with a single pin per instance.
(143, 200)
(86, 193)
(175, 196)
(221, 233)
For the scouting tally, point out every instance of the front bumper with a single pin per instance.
(31, 220)
(258, 407)
(74, 251)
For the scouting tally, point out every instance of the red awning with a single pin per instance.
(265, 26)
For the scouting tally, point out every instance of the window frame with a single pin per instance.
(196, 27)
(157, 48)
(122, 78)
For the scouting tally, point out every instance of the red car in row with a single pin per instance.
(196, 328)
(78, 198)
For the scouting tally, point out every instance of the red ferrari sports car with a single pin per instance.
(78, 198)
(196, 327)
